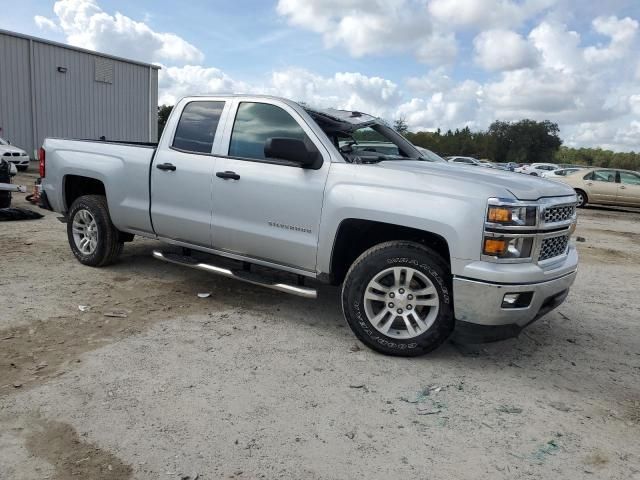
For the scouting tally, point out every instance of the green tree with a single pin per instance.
(400, 126)
(163, 116)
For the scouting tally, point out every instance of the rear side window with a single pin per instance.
(604, 176)
(257, 122)
(197, 126)
(629, 178)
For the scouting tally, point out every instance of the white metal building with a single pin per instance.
(49, 89)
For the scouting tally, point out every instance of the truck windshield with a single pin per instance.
(375, 143)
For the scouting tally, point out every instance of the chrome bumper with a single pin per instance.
(480, 302)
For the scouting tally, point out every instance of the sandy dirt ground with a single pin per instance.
(151, 381)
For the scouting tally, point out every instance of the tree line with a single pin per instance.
(524, 141)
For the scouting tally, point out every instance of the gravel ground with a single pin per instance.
(250, 383)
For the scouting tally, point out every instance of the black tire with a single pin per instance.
(534, 174)
(108, 245)
(398, 254)
(5, 199)
(22, 168)
(583, 199)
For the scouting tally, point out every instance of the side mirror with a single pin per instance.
(303, 153)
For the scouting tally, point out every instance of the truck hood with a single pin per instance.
(522, 187)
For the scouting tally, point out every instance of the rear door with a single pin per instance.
(266, 208)
(182, 172)
(601, 186)
(629, 188)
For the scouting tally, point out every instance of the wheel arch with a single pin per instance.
(75, 186)
(354, 236)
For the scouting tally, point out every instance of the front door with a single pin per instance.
(629, 188)
(266, 208)
(601, 186)
(181, 176)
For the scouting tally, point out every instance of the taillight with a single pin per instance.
(41, 159)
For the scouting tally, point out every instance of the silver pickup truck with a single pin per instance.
(422, 249)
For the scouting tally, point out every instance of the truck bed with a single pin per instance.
(121, 166)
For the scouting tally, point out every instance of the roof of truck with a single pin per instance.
(329, 118)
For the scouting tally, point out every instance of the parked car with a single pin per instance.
(561, 172)
(537, 169)
(13, 154)
(430, 156)
(486, 163)
(470, 161)
(420, 250)
(608, 186)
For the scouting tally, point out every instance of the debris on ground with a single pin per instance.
(508, 409)
(116, 313)
(15, 213)
(204, 295)
(355, 348)
(428, 410)
(84, 308)
(560, 406)
(543, 451)
(580, 239)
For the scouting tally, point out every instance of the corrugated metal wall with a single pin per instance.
(15, 92)
(118, 101)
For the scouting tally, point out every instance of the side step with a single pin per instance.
(241, 275)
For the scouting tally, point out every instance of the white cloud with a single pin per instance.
(503, 50)
(447, 106)
(483, 14)
(86, 25)
(621, 32)
(366, 27)
(45, 23)
(558, 47)
(350, 91)
(177, 82)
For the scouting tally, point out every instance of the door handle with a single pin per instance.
(622, 187)
(166, 166)
(589, 183)
(228, 175)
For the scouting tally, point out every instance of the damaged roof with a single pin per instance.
(333, 120)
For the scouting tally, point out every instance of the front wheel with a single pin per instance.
(396, 298)
(92, 237)
(582, 198)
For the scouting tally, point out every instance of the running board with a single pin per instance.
(241, 275)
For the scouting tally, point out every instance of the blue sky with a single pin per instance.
(436, 63)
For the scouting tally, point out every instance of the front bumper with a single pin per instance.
(19, 161)
(481, 316)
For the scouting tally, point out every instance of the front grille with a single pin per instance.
(559, 214)
(553, 247)
(16, 154)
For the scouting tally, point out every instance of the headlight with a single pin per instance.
(514, 216)
(508, 248)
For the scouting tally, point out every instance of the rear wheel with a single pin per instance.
(396, 299)
(582, 198)
(92, 237)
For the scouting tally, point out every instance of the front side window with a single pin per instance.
(255, 124)
(629, 178)
(197, 126)
(604, 176)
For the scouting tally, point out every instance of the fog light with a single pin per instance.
(517, 300)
